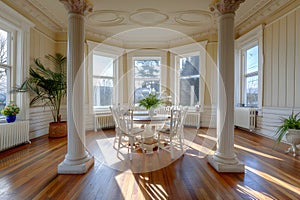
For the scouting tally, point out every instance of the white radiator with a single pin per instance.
(245, 117)
(103, 121)
(12, 134)
(192, 119)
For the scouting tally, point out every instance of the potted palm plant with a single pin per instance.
(290, 128)
(48, 88)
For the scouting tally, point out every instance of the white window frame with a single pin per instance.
(142, 53)
(197, 48)
(108, 51)
(193, 76)
(250, 39)
(115, 67)
(146, 58)
(19, 27)
(8, 66)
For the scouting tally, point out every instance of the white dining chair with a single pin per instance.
(173, 133)
(126, 130)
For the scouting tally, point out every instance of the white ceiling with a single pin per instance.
(134, 21)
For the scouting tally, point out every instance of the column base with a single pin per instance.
(228, 167)
(80, 168)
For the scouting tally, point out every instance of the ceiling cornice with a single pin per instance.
(267, 7)
(36, 10)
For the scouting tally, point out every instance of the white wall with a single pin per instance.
(281, 86)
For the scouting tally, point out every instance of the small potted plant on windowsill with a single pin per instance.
(291, 129)
(150, 103)
(10, 111)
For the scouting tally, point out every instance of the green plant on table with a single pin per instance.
(150, 101)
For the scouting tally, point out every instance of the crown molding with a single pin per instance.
(265, 9)
(36, 10)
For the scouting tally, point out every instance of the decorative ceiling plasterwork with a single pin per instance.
(148, 17)
(98, 23)
(268, 8)
(106, 18)
(193, 17)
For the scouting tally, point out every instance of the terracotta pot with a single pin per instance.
(58, 129)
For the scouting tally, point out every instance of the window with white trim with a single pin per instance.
(189, 80)
(248, 69)
(147, 73)
(5, 67)
(250, 76)
(103, 80)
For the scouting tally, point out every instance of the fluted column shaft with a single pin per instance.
(77, 160)
(224, 158)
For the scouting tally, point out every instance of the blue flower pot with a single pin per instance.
(11, 118)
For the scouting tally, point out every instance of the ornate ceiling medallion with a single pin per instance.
(193, 17)
(148, 17)
(105, 18)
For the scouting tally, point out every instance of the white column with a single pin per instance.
(77, 160)
(224, 159)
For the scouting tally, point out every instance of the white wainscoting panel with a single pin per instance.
(270, 120)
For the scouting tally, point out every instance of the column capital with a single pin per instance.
(78, 6)
(225, 6)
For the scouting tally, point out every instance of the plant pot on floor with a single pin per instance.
(58, 129)
(293, 138)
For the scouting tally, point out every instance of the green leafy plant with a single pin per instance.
(47, 86)
(10, 109)
(150, 102)
(292, 122)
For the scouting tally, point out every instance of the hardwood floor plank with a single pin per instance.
(30, 172)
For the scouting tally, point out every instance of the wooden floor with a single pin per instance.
(30, 172)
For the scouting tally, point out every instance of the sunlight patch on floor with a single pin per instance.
(202, 149)
(155, 191)
(207, 137)
(126, 182)
(257, 152)
(274, 180)
(253, 193)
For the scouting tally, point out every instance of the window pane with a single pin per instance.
(103, 91)
(252, 60)
(3, 47)
(189, 91)
(4, 70)
(147, 68)
(144, 87)
(103, 66)
(252, 91)
(3, 87)
(189, 66)
(147, 78)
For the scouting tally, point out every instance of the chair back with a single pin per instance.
(174, 121)
(114, 115)
(125, 119)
